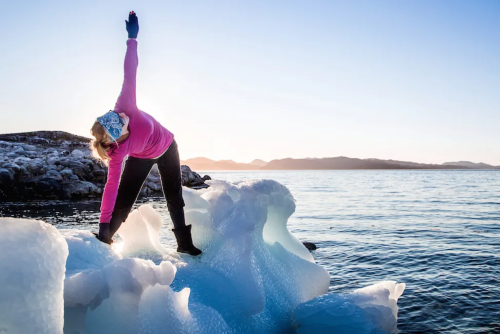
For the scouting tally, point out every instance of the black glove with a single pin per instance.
(104, 234)
(132, 25)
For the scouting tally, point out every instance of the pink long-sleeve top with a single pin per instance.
(148, 139)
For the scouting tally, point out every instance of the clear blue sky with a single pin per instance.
(409, 80)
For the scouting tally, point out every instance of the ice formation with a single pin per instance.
(372, 309)
(32, 265)
(254, 276)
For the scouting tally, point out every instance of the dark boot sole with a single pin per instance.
(187, 252)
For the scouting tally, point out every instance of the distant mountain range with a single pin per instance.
(205, 164)
(326, 163)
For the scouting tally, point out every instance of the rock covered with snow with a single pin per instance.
(32, 266)
(58, 165)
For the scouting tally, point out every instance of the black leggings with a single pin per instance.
(133, 176)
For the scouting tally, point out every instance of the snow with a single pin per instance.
(254, 276)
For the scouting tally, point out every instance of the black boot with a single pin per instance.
(184, 241)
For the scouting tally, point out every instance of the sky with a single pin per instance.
(407, 80)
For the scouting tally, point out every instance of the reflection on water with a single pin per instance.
(437, 231)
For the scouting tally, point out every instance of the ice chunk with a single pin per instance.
(84, 283)
(160, 305)
(372, 309)
(253, 276)
(254, 283)
(380, 301)
(81, 288)
(275, 229)
(240, 284)
(86, 252)
(125, 281)
(194, 201)
(32, 266)
(141, 235)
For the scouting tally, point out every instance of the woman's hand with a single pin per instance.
(132, 25)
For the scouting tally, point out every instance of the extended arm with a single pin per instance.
(111, 189)
(127, 100)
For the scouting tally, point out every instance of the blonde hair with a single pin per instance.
(98, 146)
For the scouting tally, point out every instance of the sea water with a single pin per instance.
(437, 231)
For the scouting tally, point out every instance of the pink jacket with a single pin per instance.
(147, 139)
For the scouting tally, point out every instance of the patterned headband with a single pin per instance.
(112, 123)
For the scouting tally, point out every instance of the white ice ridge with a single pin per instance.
(254, 276)
(32, 264)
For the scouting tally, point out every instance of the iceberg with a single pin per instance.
(32, 267)
(254, 276)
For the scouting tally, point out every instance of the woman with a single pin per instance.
(128, 131)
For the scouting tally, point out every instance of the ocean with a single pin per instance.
(437, 231)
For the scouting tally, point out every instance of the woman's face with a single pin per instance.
(125, 126)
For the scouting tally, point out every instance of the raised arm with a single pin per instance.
(126, 102)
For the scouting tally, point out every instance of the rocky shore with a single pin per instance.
(57, 165)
